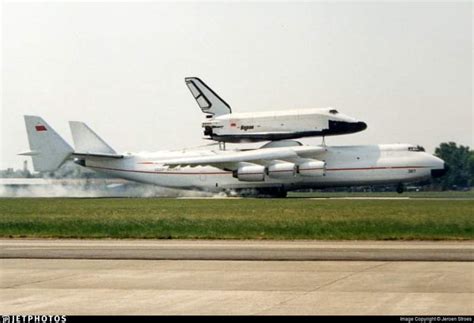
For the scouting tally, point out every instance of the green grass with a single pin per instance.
(237, 218)
(424, 195)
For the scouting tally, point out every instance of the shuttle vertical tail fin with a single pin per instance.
(206, 98)
(47, 149)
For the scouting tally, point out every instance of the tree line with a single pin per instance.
(460, 162)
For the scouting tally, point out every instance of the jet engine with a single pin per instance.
(313, 168)
(250, 173)
(281, 170)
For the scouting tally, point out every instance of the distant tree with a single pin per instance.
(460, 162)
(471, 166)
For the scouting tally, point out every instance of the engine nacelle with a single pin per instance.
(314, 168)
(250, 173)
(281, 170)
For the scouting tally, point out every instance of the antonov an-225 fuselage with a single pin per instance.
(273, 169)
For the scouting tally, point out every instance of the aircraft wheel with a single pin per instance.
(280, 194)
(277, 193)
(272, 193)
(400, 188)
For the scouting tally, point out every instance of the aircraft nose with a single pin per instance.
(439, 172)
(361, 125)
(344, 127)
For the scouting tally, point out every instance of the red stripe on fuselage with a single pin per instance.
(375, 168)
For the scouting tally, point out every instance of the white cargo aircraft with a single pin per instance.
(272, 170)
(224, 126)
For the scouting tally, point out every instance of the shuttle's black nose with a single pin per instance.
(361, 125)
(435, 173)
(344, 127)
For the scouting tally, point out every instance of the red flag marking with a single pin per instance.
(40, 128)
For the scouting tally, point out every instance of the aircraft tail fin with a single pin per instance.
(87, 141)
(47, 148)
(209, 102)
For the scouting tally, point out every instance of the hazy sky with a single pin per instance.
(404, 68)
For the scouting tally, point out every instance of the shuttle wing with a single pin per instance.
(230, 160)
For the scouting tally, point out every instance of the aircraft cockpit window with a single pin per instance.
(333, 111)
(417, 148)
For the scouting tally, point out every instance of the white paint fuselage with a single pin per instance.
(280, 125)
(345, 166)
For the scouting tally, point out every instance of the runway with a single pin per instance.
(43, 277)
(68, 286)
(238, 250)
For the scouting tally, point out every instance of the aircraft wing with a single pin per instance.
(230, 160)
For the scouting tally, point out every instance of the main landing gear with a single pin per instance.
(400, 188)
(263, 193)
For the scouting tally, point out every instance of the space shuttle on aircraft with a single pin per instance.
(224, 126)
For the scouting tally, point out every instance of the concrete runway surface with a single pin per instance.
(238, 250)
(134, 286)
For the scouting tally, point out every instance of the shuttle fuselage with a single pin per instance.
(279, 125)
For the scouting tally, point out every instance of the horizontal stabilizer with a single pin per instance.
(29, 153)
(97, 155)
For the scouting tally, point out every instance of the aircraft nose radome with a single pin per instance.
(361, 125)
(356, 126)
(345, 127)
(439, 172)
